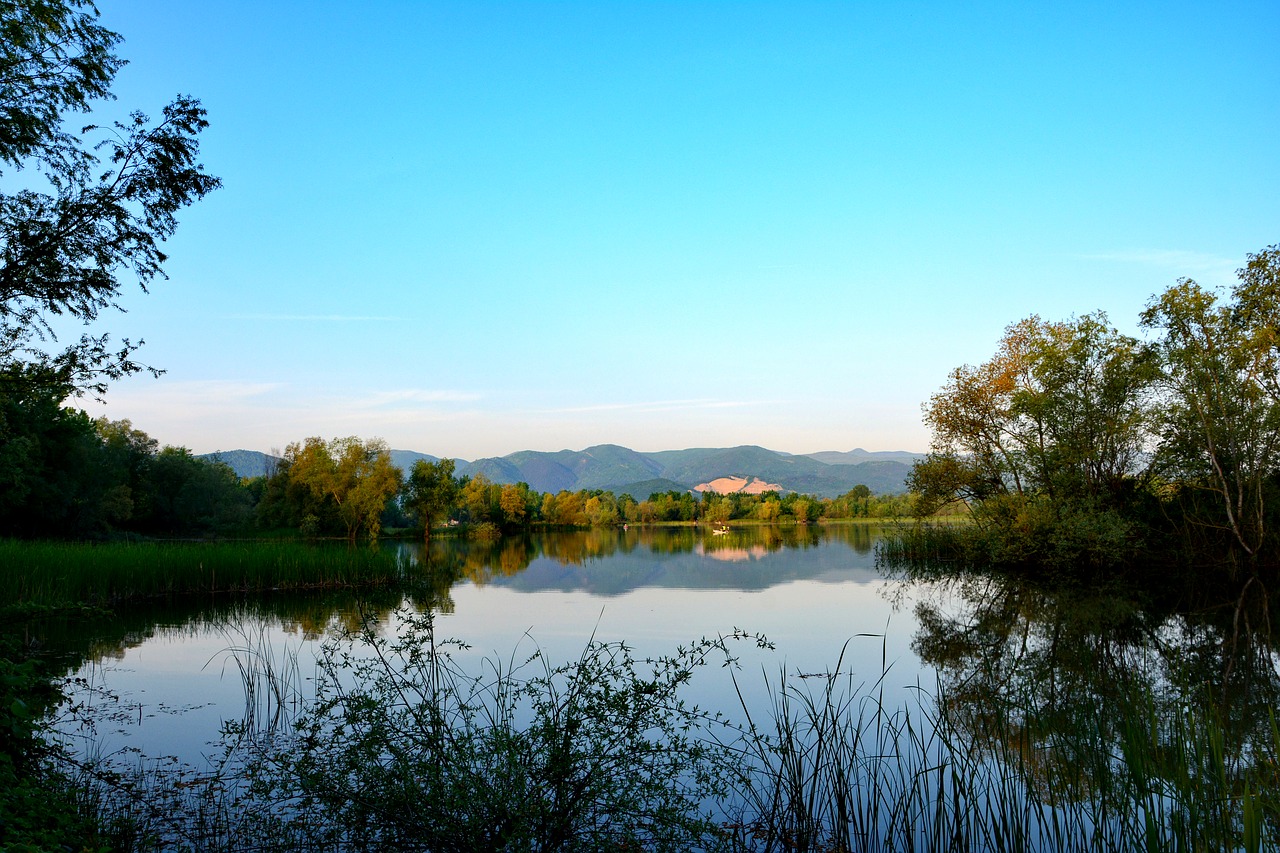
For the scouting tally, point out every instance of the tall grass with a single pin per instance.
(836, 769)
(61, 574)
(402, 749)
(932, 546)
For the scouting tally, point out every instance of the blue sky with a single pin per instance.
(474, 228)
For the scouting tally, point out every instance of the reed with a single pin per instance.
(929, 546)
(402, 747)
(64, 574)
(837, 769)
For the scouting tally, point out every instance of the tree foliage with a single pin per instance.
(356, 476)
(1220, 413)
(1062, 409)
(431, 491)
(104, 201)
(1078, 443)
(65, 475)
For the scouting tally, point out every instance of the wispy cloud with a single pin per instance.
(1178, 260)
(653, 406)
(212, 392)
(414, 396)
(314, 318)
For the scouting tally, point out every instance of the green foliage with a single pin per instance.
(64, 475)
(1220, 415)
(61, 574)
(65, 249)
(431, 492)
(1076, 444)
(40, 808)
(345, 484)
(49, 482)
(403, 749)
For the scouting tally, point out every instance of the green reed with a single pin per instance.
(63, 574)
(835, 768)
(404, 748)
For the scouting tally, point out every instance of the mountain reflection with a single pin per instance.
(606, 562)
(614, 561)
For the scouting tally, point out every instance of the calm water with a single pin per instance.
(1059, 660)
(175, 675)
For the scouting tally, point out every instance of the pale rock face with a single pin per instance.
(729, 485)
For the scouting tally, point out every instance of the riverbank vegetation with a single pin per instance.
(1081, 450)
(401, 747)
(67, 575)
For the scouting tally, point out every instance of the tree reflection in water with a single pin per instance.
(1108, 690)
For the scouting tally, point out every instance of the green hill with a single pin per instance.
(620, 469)
(246, 463)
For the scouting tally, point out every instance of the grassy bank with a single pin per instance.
(64, 574)
(41, 806)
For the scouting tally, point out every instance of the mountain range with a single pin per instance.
(620, 469)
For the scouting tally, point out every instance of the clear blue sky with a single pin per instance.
(473, 228)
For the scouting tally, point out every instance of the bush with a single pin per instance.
(404, 750)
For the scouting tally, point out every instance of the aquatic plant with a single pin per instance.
(64, 574)
(402, 747)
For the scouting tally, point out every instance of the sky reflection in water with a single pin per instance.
(808, 591)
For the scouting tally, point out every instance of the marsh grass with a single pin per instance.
(64, 574)
(833, 768)
(401, 748)
(934, 545)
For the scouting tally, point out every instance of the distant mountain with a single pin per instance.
(857, 456)
(622, 470)
(701, 465)
(641, 490)
(605, 466)
(404, 459)
(246, 463)
(499, 470)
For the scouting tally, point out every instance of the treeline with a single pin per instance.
(65, 475)
(350, 486)
(1078, 447)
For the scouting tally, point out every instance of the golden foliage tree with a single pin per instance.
(357, 475)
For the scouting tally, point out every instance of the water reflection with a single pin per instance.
(597, 562)
(1055, 681)
(613, 561)
(1051, 669)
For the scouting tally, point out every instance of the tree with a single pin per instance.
(480, 498)
(858, 500)
(124, 466)
(717, 509)
(108, 199)
(184, 494)
(512, 501)
(804, 510)
(49, 456)
(1062, 410)
(601, 510)
(1048, 443)
(1220, 414)
(357, 476)
(431, 491)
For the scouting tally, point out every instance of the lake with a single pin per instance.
(1061, 663)
(808, 590)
